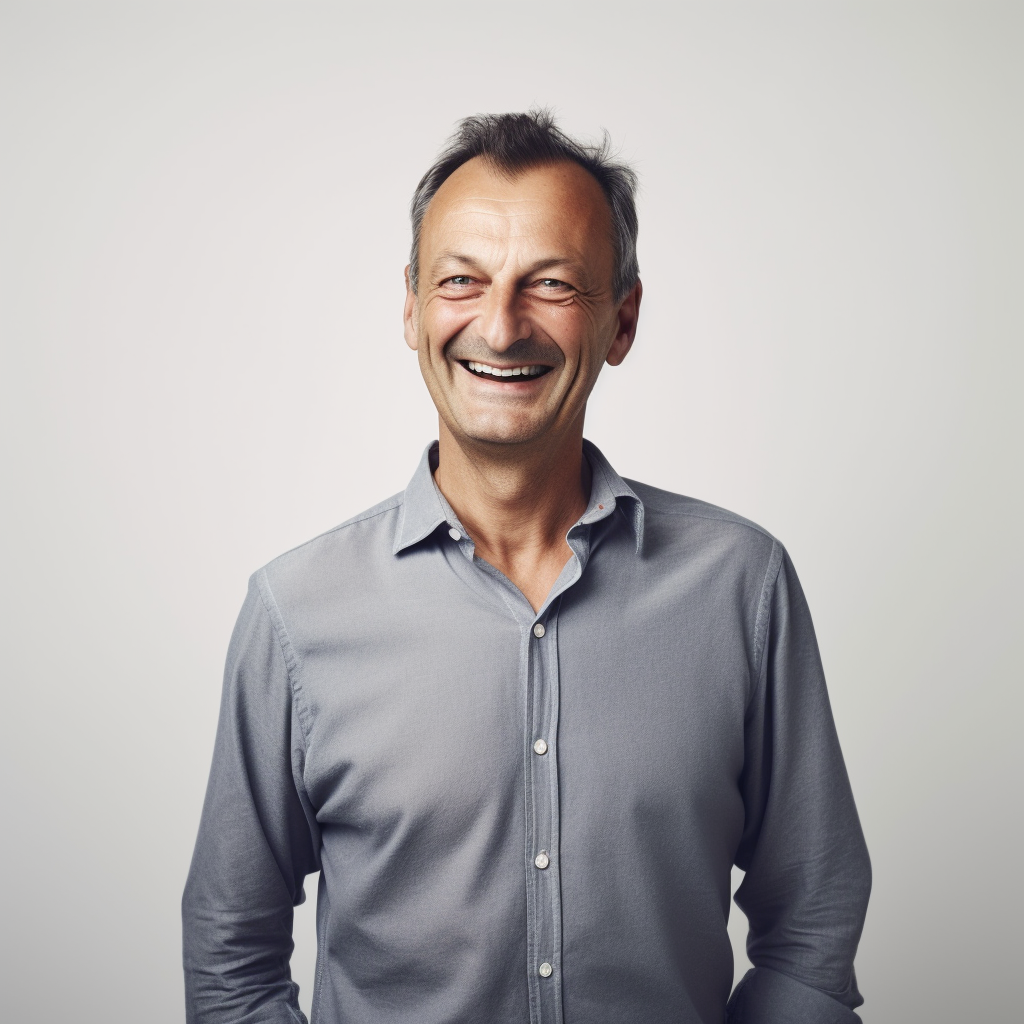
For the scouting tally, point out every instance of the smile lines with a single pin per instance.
(485, 370)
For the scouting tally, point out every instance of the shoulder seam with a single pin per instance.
(385, 506)
(291, 659)
(726, 517)
(761, 620)
(710, 512)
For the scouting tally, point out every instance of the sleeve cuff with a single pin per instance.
(764, 996)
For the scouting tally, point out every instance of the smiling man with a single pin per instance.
(525, 716)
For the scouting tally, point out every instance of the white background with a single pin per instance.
(203, 228)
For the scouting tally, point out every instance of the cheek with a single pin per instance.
(574, 330)
(442, 321)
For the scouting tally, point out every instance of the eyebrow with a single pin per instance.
(461, 258)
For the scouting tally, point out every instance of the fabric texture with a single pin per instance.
(525, 816)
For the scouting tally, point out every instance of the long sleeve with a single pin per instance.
(808, 876)
(257, 837)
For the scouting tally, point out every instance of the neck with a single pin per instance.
(517, 503)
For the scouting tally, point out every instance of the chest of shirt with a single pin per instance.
(422, 698)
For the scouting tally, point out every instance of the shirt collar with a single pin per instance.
(424, 509)
(607, 488)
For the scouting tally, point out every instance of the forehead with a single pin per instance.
(558, 203)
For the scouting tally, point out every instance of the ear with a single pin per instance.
(411, 338)
(629, 313)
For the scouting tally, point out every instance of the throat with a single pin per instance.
(533, 573)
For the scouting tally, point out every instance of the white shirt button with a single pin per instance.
(542, 860)
(538, 630)
(545, 970)
(454, 534)
(540, 747)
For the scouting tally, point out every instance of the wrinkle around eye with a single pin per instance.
(563, 296)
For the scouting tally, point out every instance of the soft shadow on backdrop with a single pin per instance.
(203, 233)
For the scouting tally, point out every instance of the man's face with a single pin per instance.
(515, 314)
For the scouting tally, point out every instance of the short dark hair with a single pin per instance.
(515, 142)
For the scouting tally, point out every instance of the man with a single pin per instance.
(525, 716)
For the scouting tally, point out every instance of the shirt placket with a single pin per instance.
(544, 910)
(540, 685)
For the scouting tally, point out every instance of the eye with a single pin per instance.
(553, 288)
(460, 280)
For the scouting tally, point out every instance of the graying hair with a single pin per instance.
(515, 142)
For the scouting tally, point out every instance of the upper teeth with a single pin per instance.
(497, 371)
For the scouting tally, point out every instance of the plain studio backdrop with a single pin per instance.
(204, 225)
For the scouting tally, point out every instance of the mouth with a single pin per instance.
(505, 374)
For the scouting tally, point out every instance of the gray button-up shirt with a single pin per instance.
(528, 816)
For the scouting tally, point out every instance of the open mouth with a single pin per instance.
(505, 373)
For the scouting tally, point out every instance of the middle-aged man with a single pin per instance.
(525, 716)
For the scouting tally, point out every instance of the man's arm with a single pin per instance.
(808, 875)
(257, 838)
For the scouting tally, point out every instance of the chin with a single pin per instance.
(501, 433)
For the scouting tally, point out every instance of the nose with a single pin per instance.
(502, 320)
